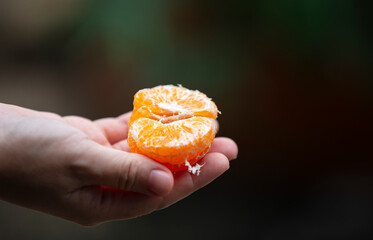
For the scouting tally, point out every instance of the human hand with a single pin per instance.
(82, 170)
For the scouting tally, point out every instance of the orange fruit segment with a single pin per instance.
(172, 125)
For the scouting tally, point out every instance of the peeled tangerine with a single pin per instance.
(172, 125)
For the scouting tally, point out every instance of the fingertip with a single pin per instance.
(225, 146)
(125, 117)
(220, 161)
(160, 182)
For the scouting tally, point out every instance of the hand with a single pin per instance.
(82, 170)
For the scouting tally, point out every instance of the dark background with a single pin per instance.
(293, 80)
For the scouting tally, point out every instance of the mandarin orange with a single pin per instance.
(172, 125)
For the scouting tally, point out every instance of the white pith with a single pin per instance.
(172, 107)
(196, 169)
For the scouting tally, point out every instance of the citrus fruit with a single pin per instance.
(172, 125)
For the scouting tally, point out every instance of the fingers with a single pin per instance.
(225, 146)
(120, 169)
(110, 204)
(124, 117)
(145, 185)
(115, 129)
(98, 203)
(122, 145)
(214, 164)
(125, 171)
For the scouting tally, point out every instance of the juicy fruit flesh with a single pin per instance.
(170, 100)
(172, 125)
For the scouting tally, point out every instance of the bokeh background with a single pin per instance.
(293, 80)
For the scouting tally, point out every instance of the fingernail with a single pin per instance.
(160, 182)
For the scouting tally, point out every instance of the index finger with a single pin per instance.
(115, 129)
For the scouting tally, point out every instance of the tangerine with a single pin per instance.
(172, 125)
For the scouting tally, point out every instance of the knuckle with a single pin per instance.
(78, 166)
(127, 175)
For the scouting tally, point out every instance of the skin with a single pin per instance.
(83, 171)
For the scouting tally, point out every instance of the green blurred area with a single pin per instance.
(293, 80)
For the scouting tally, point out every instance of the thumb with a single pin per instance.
(125, 171)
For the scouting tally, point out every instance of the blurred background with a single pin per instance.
(293, 80)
